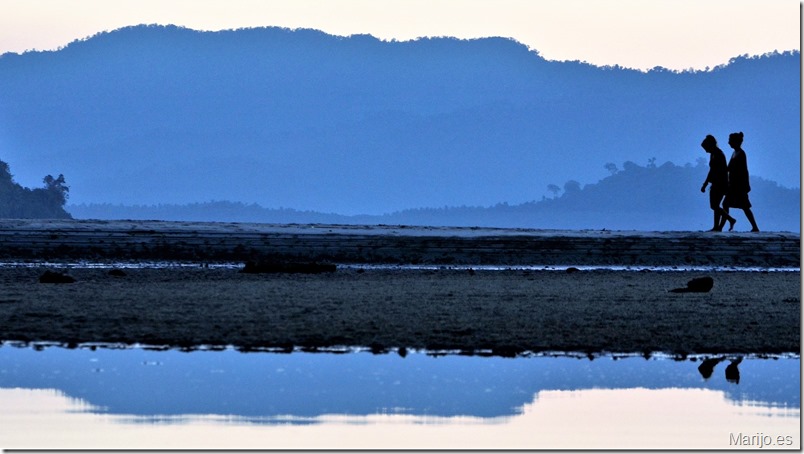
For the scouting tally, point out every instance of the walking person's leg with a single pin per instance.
(716, 226)
(750, 215)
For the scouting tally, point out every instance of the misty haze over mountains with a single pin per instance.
(163, 115)
(614, 203)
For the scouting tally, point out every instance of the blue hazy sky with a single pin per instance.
(675, 34)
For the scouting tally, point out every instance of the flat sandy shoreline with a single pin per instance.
(386, 244)
(503, 312)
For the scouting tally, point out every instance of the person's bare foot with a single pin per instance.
(732, 221)
(755, 229)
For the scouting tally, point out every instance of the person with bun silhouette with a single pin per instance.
(739, 187)
(718, 176)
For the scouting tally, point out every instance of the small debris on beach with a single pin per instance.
(288, 267)
(117, 272)
(52, 277)
(697, 285)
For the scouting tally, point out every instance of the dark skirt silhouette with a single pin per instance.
(739, 187)
(736, 199)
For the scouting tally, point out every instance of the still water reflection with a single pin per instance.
(132, 398)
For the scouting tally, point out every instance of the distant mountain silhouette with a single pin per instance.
(617, 202)
(164, 115)
(636, 198)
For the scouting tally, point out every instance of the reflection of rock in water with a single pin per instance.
(732, 372)
(708, 366)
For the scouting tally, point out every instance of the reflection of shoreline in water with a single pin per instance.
(305, 385)
(590, 418)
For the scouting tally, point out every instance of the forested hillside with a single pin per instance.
(17, 202)
(152, 115)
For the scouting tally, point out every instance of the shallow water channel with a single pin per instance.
(54, 397)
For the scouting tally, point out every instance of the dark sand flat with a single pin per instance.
(382, 244)
(475, 311)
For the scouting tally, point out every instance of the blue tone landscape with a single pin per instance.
(302, 120)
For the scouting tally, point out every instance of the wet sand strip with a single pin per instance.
(503, 312)
(205, 242)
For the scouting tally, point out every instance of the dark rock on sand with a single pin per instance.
(288, 267)
(52, 277)
(116, 272)
(697, 285)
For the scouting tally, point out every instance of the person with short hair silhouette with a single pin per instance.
(739, 187)
(718, 177)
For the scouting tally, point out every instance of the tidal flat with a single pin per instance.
(519, 297)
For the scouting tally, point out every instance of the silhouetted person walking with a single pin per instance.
(718, 176)
(737, 194)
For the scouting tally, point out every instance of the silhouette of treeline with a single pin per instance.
(213, 211)
(635, 198)
(300, 118)
(17, 202)
(651, 197)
